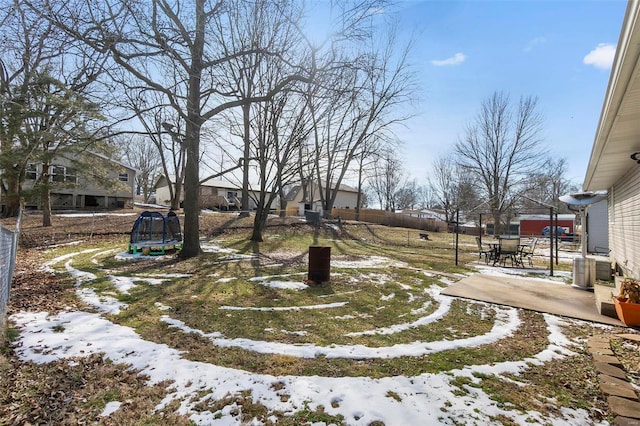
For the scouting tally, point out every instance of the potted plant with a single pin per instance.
(627, 302)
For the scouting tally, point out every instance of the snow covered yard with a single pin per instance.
(239, 338)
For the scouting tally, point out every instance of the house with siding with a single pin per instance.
(214, 194)
(424, 214)
(96, 182)
(614, 164)
(346, 198)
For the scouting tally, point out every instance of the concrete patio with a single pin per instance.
(534, 294)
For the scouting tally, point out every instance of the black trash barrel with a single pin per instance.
(319, 264)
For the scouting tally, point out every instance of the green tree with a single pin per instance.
(47, 106)
(58, 124)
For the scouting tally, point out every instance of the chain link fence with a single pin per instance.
(8, 249)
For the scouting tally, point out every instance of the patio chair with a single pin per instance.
(527, 251)
(488, 253)
(509, 248)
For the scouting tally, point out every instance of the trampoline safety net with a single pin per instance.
(154, 233)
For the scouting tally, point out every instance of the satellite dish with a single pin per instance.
(581, 201)
(583, 198)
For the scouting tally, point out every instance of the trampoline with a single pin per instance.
(154, 233)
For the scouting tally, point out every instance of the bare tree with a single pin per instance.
(452, 188)
(244, 26)
(272, 133)
(143, 155)
(386, 180)
(366, 104)
(468, 197)
(365, 162)
(501, 149)
(547, 185)
(427, 198)
(406, 197)
(279, 129)
(444, 184)
(262, 25)
(165, 132)
(151, 40)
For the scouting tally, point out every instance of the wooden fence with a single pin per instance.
(388, 218)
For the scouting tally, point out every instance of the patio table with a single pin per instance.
(509, 251)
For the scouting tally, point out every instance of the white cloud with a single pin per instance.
(601, 56)
(456, 59)
(534, 43)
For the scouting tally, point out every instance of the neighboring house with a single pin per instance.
(346, 198)
(424, 214)
(76, 189)
(214, 194)
(615, 157)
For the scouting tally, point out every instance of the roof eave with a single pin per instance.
(624, 70)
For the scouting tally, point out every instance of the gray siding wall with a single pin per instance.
(69, 196)
(598, 237)
(163, 195)
(624, 223)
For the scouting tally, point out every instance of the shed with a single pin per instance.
(532, 224)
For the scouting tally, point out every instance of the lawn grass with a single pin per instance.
(220, 293)
(223, 295)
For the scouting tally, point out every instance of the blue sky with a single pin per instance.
(558, 51)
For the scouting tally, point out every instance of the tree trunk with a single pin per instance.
(328, 212)
(262, 214)
(497, 226)
(191, 238)
(191, 242)
(305, 191)
(259, 223)
(46, 206)
(45, 195)
(12, 198)
(12, 206)
(447, 212)
(177, 193)
(246, 109)
(283, 201)
(281, 194)
(359, 196)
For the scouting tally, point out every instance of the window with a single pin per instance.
(63, 174)
(123, 177)
(70, 175)
(57, 173)
(32, 171)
